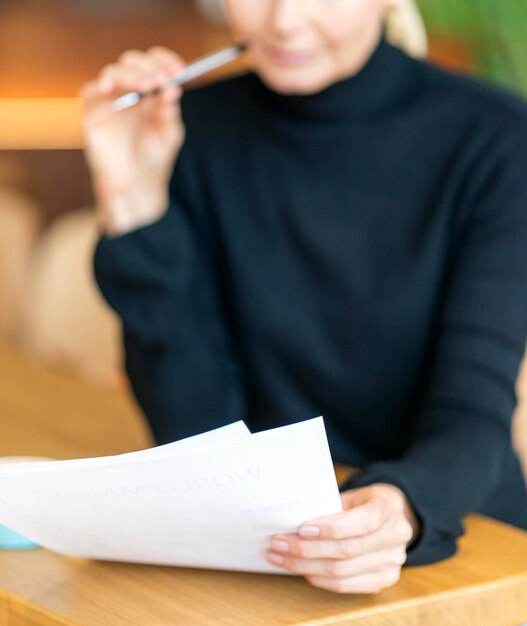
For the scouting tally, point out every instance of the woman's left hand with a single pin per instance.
(360, 550)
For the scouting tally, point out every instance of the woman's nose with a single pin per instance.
(287, 16)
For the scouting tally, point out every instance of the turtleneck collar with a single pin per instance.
(388, 77)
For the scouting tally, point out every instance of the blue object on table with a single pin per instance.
(9, 540)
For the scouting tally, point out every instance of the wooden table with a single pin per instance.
(46, 413)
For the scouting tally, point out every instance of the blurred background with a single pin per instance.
(48, 49)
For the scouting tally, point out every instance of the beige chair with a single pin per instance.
(519, 426)
(20, 220)
(66, 321)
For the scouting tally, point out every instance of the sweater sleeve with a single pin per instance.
(162, 281)
(460, 447)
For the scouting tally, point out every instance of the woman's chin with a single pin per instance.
(293, 81)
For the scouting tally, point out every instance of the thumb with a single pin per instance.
(355, 497)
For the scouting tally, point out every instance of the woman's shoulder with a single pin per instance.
(478, 99)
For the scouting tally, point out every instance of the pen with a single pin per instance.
(193, 70)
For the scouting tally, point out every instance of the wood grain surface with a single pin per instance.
(47, 413)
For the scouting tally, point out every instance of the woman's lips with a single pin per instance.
(290, 57)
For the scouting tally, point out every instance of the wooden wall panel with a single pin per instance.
(48, 49)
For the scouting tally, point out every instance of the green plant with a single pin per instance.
(492, 31)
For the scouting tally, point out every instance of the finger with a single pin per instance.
(150, 69)
(132, 78)
(156, 58)
(95, 99)
(166, 57)
(161, 63)
(95, 89)
(362, 520)
(347, 548)
(372, 582)
(144, 81)
(166, 61)
(335, 568)
(136, 58)
(122, 77)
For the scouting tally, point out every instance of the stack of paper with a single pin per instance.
(212, 500)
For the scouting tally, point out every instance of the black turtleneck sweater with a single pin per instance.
(360, 254)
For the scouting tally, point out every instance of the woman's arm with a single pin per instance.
(460, 448)
(162, 281)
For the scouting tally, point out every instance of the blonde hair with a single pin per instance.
(405, 28)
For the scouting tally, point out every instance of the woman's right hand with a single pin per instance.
(131, 153)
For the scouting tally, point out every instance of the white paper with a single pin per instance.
(224, 434)
(182, 504)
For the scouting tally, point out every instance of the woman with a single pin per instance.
(342, 232)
